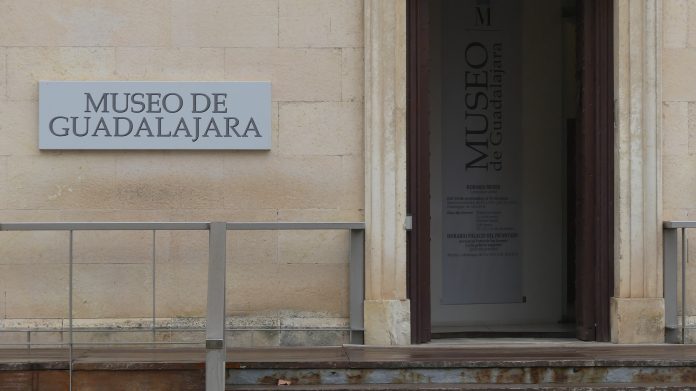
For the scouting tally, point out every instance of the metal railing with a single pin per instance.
(675, 330)
(217, 264)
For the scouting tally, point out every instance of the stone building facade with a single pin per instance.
(338, 70)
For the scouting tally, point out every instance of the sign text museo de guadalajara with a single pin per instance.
(152, 115)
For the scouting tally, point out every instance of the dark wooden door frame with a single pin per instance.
(418, 169)
(595, 176)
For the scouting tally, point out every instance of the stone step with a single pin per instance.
(473, 387)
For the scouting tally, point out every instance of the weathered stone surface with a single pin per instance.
(321, 23)
(313, 337)
(186, 64)
(675, 128)
(675, 13)
(352, 74)
(637, 320)
(61, 181)
(679, 182)
(387, 322)
(159, 180)
(3, 72)
(35, 290)
(181, 289)
(212, 23)
(677, 77)
(36, 247)
(85, 23)
(27, 65)
(295, 74)
(692, 127)
(268, 287)
(691, 27)
(325, 128)
(112, 290)
(18, 129)
(262, 181)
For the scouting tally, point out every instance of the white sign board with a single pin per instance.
(481, 144)
(154, 115)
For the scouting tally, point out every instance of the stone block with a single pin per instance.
(321, 215)
(113, 247)
(182, 247)
(257, 181)
(295, 74)
(677, 74)
(679, 183)
(264, 338)
(691, 27)
(170, 63)
(13, 339)
(112, 290)
(96, 215)
(186, 338)
(160, 180)
(314, 337)
(352, 183)
(637, 320)
(47, 339)
(252, 322)
(212, 23)
(18, 129)
(297, 287)
(352, 74)
(27, 65)
(675, 14)
(80, 23)
(61, 181)
(27, 214)
(35, 291)
(321, 23)
(675, 128)
(33, 247)
(323, 128)
(112, 337)
(239, 338)
(313, 246)
(252, 247)
(314, 322)
(387, 322)
(4, 184)
(181, 289)
(3, 72)
(692, 127)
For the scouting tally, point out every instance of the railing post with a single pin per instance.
(357, 284)
(670, 284)
(215, 319)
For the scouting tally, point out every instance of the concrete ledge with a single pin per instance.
(637, 320)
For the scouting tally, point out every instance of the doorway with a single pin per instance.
(507, 102)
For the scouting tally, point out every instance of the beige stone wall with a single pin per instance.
(311, 51)
(679, 126)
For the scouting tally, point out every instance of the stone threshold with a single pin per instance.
(358, 356)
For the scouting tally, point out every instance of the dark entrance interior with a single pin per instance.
(551, 273)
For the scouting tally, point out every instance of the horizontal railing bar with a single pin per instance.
(147, 329)
(172, 226)
(679, 224)
(292, 226)
(106, 226)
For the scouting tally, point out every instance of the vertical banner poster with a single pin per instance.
(482, 145)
